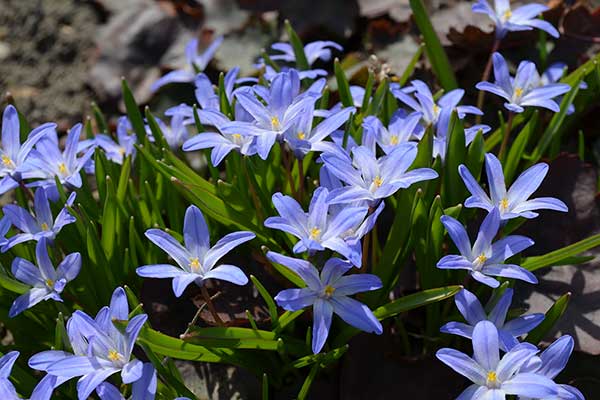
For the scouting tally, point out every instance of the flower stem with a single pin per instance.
(211, 306)
(288, 170)
(252, 189)
(485, 76)
(300, 180)
(509, 124)
(27, 191)
(197, 315)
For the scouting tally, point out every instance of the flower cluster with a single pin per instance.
(362, 160)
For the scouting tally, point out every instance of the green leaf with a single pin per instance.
(308, 382)
(133, 112)
(265, 387)
(268, 299)
(551, 132)
(11, 284)
(298, 47)
(410, 68)
(550, 319)
(223, 100)
(343, 85)
(517, 148)
(454, 190)
(232, 337)
(435, 52)
(99, 117)
(557, 257)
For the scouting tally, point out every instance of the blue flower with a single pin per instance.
(7, 390)
(473, 312)
(116, 151)
(220, 143)
(14, 156)
(283, 106)
(521, 19)
(524, 89)
(493, 377)
(550, 363)
(431, 110)
(197, 259)
(194, 63)
(48, 158)
(100, 349)
(317, 229)
(40, 225)
(370, 178)
(318, 50)
(47, 282)
(486, 259)
(514, 202)
(175, 134)
(328, 293)
(401, 129)
(302, 137)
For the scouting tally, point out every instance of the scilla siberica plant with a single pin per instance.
(324, 202)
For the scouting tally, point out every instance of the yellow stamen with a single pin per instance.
(45, 226)
(315, 233)
(394, 140)
(237, 136)
(194, 264)
(507, 14)
(114, 355)
(62, 168)
(481, 259)
(301, 135)
(7, 161)
(436, 109)
(378, 181)
(49, 283)
(122, 151)
(518, 92)
(492, 378)
(504, 204)
(329, 290)
(275, 123)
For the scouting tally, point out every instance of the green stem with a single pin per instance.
(509, 124)
(485, 76)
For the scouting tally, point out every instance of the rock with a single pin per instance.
(575, 183)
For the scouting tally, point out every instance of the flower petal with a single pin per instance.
(356, 314)
(322, 313)
(463, 364)
(229, 273)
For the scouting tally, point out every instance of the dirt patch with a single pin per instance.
(45, 48)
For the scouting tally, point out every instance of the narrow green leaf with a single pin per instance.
(133, 112)
(453, 191)
(517, 148)
(99, 117)
(558, 256)
(232, 337)
(550, 319)
(297, 46)
(435, 52)
(410, 68)
(308, 382)
(343, 85)
(272, 307)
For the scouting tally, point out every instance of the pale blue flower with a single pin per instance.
(317, 229)
(7, 390)
(486, 258)
(550, 363)
(493, 377)
(524, 89)
(473, 312)
(41, 224)
(100, 349)
(328, 293)
(520, 19)
(514, 202)
(14, 156)
(46, 281)
(196, 261)
(370, 178)
(194, 63)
